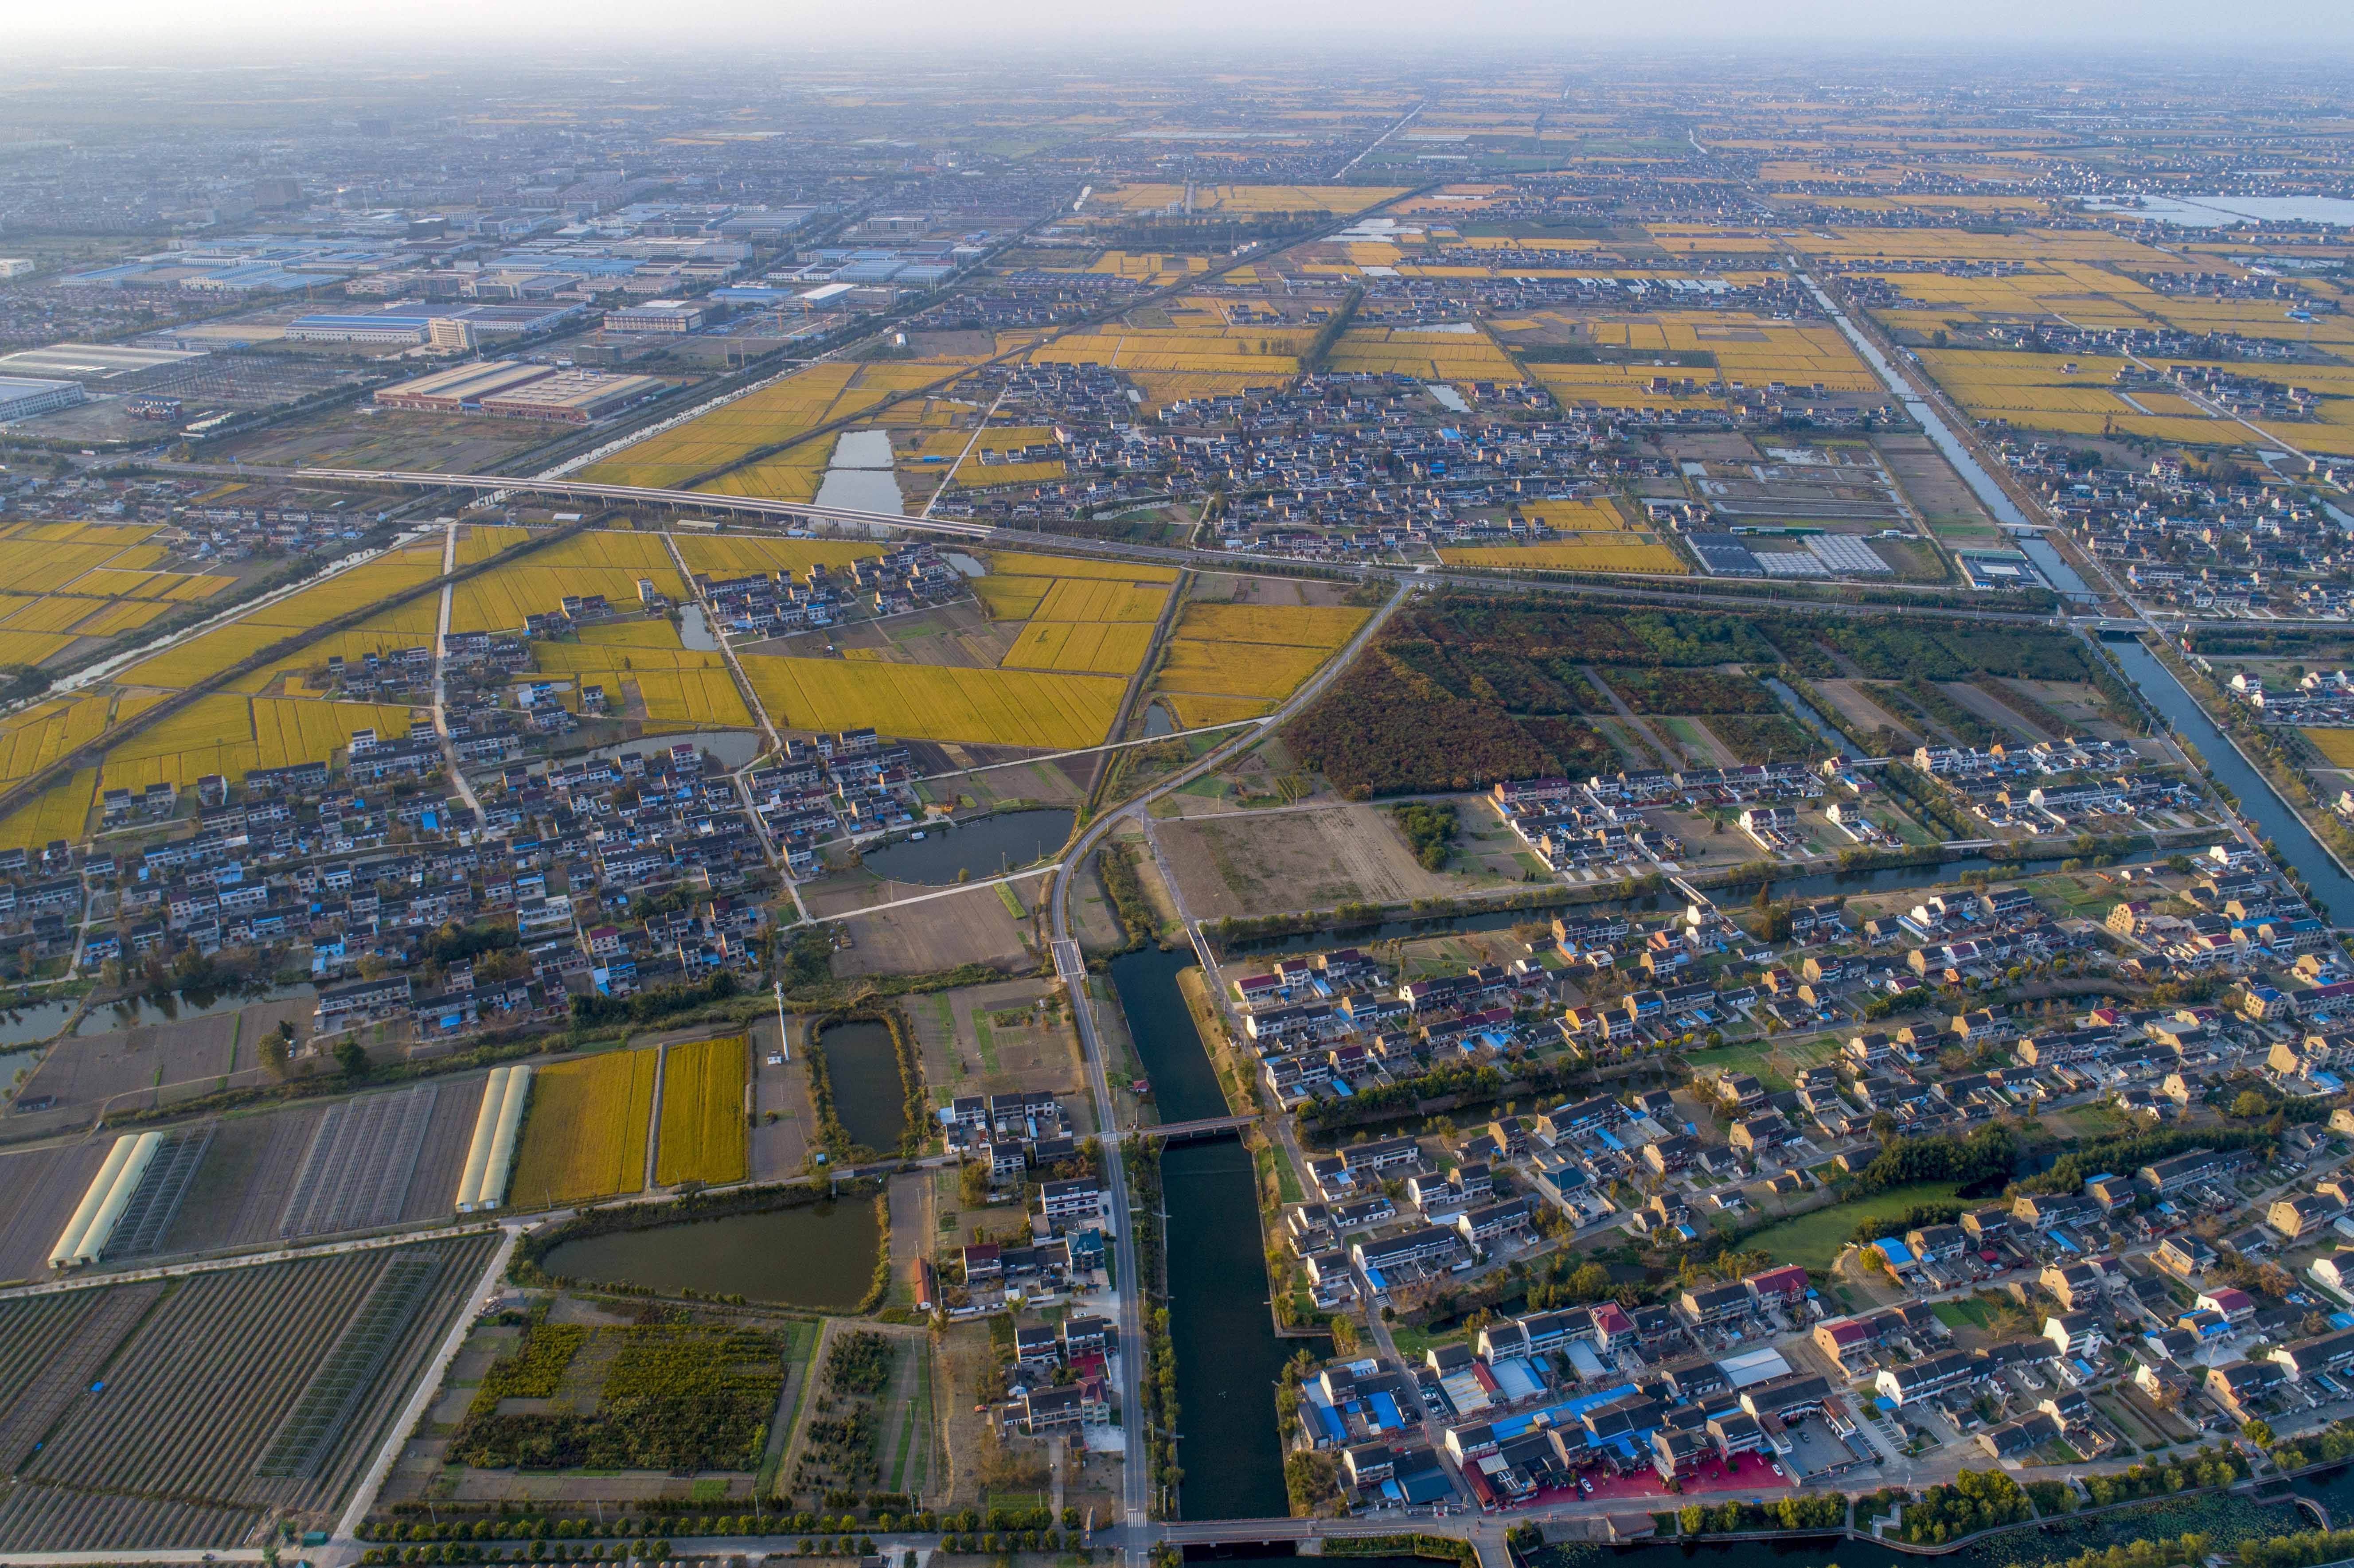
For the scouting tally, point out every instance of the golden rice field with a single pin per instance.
(1101, 599)
(1624, 386)
(800, 401)
(564, 658)
(1431, 355)
(226, 734)
(703, 1127)
(1290, 625)
(735, 556)
(1571, 555)
(585, 1135)
(1150, 267)
(500, 599)
(1086, 647)
(2337, 745)
(1017, 563)
(925, 702)
(1237, 669)
(997, 439)
(30, 647)
(42, 733)
(1267, 353)
(480, 541)
(1193, 711)
(61, 811)
(700, 699)
(1010, 599)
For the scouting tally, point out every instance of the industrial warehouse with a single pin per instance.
(505, 389)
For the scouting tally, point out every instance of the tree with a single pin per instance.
(2260, 1433)
(275, 1047)
(352, 1057)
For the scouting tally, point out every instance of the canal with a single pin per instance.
(2333, 890)
(1228, 1357)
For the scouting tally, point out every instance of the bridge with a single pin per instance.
(1204, 1126)
(495, 484)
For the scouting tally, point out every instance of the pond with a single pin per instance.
(2216, 211)
(13, 1062)
(822, 1255)
(140, 1011)
(695, 631)
(860, 476)
(982, 847)
(868, 1097)
(1157, 721)
(30, 1025)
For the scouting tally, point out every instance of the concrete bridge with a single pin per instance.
(1204, 1126)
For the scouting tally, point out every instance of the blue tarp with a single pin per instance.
(2341, 1319)
(1330, 1420)
(1385, 1411)
(1605, 1134)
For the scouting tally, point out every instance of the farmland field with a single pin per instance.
(703, 1129)
(241, 1392)
(1087, 647)
(1228, 661)
(586, 1134)
(2337, 745)
(1633, 554)
(927, 702)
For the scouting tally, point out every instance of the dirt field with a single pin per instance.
(1936, 492)
(777, 1149)
(1275, 863)
(39, 1192)
(361, 437)
(2077, 702)
(1229, 588)
(1862, 712)
(958, 634)
(997, 1039)
(193, 1056)
(238, 1196)
(1985, 706)
(974, 926)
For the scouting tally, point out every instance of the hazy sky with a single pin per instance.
(2296, 29)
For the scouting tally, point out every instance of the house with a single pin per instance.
(2184, 1256)
(2013, 1438)
(2237, 1385)
(2302, 1215)
(1918, 1379)
(1713, 1304)
(2075, 1333)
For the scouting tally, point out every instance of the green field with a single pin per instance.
(1813, 1240)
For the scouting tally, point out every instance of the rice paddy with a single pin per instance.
(1233, 661)
(703, 1129)
(1049, 710)
(585, 1135)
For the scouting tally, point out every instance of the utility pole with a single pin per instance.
(784, 1041)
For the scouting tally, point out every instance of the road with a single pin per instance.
(440, 681)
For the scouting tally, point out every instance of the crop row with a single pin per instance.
(924, 702)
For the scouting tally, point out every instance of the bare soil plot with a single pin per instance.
(39, 1189)
(358, 436)
(781, 1117)
(239, 1195)
(971, 926)
(1985, 706)
(1940, 495)
(1863, 712)
(1278, 862)
(2077, 702)
(178, 1060)
(1230, 588)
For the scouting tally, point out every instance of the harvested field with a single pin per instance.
(176, 1060)
(585, 1135)
(239, 1195)
(703, 1112)
(1243, 865)
(243, 1391)
(969, 928)
(39, 1191)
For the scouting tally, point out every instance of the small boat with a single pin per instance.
(914, 838)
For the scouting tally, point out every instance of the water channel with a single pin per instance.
(178, 1007)
(2333, 890)
(984, 847)
(1228, 1357)
(1808, 715)
(820, 1255)
(868, 1097)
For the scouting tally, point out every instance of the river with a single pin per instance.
(2333, 890)
(985, 846)
(1808, 715)
(1228, 1357)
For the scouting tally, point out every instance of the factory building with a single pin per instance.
(21, 398)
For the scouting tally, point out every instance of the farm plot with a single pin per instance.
(1083, 647)
(922, 702)
(654, 1397)
(285, 1367)
(703, 1127)
(50, 1347)
(1635, 553)
(1227, 660)
(61, 811)
(739, 556)
(586, 1134)
(39, 1189)
(360, 1162)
